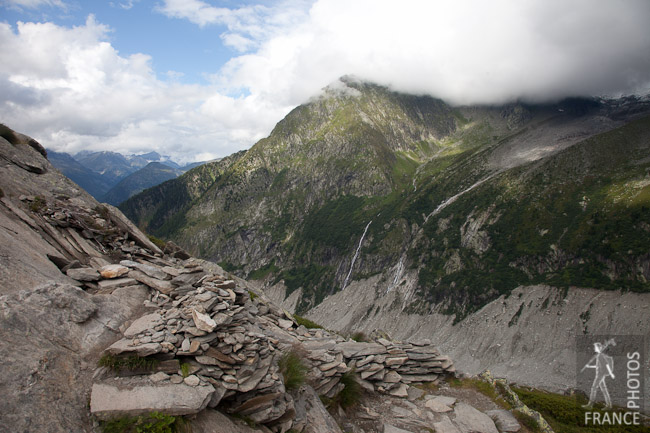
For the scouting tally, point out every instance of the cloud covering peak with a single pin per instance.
(71, 89)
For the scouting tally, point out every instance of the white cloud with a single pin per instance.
(33, 4)
(196, 11)
(247, 26)
(464, 52)
(72, 90)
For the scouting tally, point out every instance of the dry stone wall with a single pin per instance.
(216, 346)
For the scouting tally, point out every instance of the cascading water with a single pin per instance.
(356, 254)
(452, 199)
(398, 274)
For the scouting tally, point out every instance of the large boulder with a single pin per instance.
(471, 420)
(120, 396)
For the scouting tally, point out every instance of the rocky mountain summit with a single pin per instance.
(100, 324)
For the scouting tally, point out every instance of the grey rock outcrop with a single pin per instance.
(133, 397)
(471, 420)
(504, 420)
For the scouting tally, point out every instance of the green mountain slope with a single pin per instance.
(477, 200)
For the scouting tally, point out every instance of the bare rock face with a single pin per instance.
(504, 420)
(311, 415)
(211, 421)
(469, 420)
(49, 336)
(53, 326)
(137, 397)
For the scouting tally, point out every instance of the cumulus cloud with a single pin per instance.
(32, 4)
(247, 26)
(71, 89)
(464, 52)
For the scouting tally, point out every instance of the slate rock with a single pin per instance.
(400, 391)
(392, 429)
(203, 321)
(112, 284)
(504, 420)
(212, 421)
(126, 346)
(445, 426)
(83, 274)
(113, 399)
(113, 271)
(311, 414)
(144, 323)
(440, 403)
(192, 380)
(163, 286)
(470, 420)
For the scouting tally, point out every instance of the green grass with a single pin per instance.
(230, 267)
(481, 386)
(293, 370)
(264, 271)
(185, 369)
(566, 414)
(130, 363)
(306, 322)
(38, 205)
(157, 241)
(527, 421)
(154, 422)
(350, 395)
(359, 337)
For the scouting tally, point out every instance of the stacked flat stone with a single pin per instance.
(216, 347)
(390, 367)
(212, 329)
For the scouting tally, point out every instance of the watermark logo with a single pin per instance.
(611, 370)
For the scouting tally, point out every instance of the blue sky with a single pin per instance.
(199, 79)
(180, 49)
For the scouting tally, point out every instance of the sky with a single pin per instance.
(201, 79)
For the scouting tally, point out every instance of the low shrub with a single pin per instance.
(154, 422)
(306, 322)
(528, 421)
(350, 395)
(185, 369)
(292, 369)
(566, 413)
(38, 204)
(157, 241)
(118, 363)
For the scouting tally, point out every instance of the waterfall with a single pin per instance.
(398, 275)
(356, 254)
(452, 199)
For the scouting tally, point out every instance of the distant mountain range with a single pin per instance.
(112, 177)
